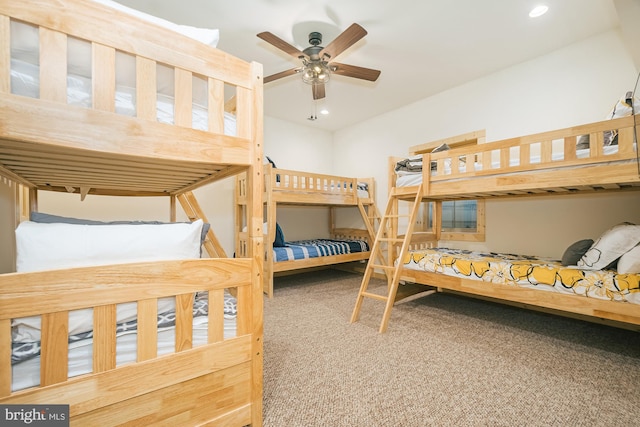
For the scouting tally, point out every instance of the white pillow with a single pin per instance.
(44, 246)
(611, 245)
(629, 263)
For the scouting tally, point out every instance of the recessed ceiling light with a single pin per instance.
(538, 11)
(324, 111)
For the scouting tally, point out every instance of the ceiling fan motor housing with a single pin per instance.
(315, 38)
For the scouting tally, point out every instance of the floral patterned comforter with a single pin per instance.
(527, 271)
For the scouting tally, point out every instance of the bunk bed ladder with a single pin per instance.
(374, 216)
(388, 235)
(369, 218)
(194, 212)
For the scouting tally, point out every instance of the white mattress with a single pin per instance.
(27, 374)
(25, 81)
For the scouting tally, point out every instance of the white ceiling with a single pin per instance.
(422, 47)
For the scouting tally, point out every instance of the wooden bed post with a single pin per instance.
(256, 238)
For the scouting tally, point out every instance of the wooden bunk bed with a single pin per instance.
(49, 142)
(296, 188)
(549, 163)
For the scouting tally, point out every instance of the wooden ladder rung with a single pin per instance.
(397, 216)
(390, 239)
(375, 296)
(387, 267)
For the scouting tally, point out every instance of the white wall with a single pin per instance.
(571, 86)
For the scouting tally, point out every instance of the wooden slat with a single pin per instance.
(216, 316)
(104, 338)
(53, 70)
(245, 117)
(147, 344)
(625, 141)
(569, 147)
(54, 348)
(486, 160)
(546, 149)
(104, 77)
(146, 88)
(183, 97)
(184, 322)
(215, 102)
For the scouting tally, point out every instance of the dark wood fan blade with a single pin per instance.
(344, 41)
(354, 71)
(280, 75)
(281, 44)
(318, 91)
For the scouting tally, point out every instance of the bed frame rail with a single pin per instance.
(111, 394)
(543, 163)
(297, 187)
(64, 132)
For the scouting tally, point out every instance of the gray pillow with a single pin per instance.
(575, 251)
(49, 218)
(583, 142)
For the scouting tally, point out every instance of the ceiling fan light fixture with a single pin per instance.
(316, 72)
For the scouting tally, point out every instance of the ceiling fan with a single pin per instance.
(317, 61)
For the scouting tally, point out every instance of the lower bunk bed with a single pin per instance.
(297, 188)
(606, 296)
(302, 254)
(597, 281)
(161, 338)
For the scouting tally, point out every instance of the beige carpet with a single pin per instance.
(445, 361)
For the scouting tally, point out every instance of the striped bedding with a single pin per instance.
(305, 249)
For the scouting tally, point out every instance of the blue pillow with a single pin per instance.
(279, 241)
